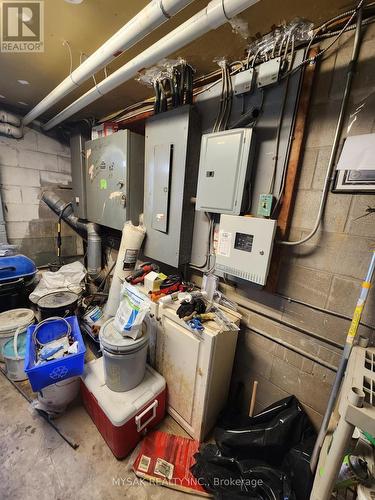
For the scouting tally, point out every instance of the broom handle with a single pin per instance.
(253, 398)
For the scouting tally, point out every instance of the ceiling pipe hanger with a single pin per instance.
(214, 15)
(147, 20)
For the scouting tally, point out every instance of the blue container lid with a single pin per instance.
(16, 266)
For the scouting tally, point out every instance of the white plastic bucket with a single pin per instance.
(10, 321)
(14, 356)
(124, 358)
(56, 397)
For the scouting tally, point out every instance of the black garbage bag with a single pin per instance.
(296, 464)
(231, 479)
(268, 436)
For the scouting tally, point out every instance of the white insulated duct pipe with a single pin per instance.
(147, 20)
(214, 15)
(131, 242)
(10, 118)
(11, 131)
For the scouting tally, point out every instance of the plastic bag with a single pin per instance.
(297, 465)
(268, 436)
(262, 457)
(68, 277)
(134, 306)
(228, 478)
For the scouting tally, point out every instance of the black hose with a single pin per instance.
(42, 413)
(174, 87)
(182, 83)
(157, 98)
(163, 99)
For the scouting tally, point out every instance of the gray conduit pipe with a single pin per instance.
(242, 302)
(340, 123)
(293, 348)
(86, 230)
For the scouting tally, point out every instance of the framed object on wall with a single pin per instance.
(355, 172)
(354, 181)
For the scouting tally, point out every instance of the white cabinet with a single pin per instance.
(197, 367)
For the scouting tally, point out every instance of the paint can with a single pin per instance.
(14, 356)
(124, 358)
(353, 470)
(10, 321)
(62, 304)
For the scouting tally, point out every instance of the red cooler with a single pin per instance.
(122, 418)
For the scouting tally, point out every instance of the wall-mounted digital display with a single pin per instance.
(244, 247)
(244, 242)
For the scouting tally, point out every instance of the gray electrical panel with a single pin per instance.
(114, 179)
(224, 171)
(171, 165)
(77, 153)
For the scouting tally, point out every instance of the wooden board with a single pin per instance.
(292, 175)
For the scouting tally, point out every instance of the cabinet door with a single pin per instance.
(106, 179)
(180, 368)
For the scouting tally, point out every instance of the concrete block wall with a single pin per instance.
(326, 271)
(27, 167)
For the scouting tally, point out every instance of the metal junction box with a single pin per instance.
(245, 247)
(224, 171)
(268, 72)
(114, 179)
(171, 164)
(243, 82)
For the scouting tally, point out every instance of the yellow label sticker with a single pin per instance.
(354, 325)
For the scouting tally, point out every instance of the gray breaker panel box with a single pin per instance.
(172, 142)
(77, 152)
(114, 179)
(224, 171)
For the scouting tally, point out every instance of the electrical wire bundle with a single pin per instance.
(226, 99)
(174, 90)
(210, 246)
(279, 43)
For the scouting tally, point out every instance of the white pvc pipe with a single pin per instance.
(148, 19)
(214, 15)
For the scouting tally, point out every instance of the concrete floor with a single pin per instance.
(37, 464)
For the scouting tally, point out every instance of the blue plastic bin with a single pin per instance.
(48, 373)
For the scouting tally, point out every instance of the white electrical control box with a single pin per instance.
(245, 247)
(243, 82)
(224, 171)
(268, 72)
